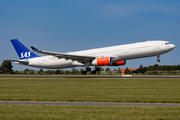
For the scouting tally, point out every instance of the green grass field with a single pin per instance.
(43, 112)
(90, 90)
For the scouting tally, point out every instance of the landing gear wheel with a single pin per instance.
(158, 60)
(88, 69)
(94, 72)
(97, 69)
(84, 72)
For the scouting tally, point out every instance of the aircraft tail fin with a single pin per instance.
(22, 51)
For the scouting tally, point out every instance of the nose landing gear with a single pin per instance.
(158, 60)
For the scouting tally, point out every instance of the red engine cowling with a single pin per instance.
(103, 61)
(119, 63)
(107, 61)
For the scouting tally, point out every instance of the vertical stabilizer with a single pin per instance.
(22, 51)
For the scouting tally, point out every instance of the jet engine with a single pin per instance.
(108, 61)
(119, 63)
(103, 61)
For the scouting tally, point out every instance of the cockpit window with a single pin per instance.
(167, 43)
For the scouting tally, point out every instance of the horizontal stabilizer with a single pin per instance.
(26, 62)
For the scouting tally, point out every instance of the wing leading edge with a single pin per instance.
(79, 58)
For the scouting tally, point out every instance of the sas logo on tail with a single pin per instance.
(25, 54)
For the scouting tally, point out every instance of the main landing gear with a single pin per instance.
(85, 72)
(89, 69)
(96, 69)
(158, 60)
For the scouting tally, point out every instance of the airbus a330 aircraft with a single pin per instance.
(107, 56)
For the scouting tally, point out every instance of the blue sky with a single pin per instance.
(63, 26)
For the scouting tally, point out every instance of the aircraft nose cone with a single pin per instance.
(173, 46)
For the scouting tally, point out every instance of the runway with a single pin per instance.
(93, 76)
(87, 103)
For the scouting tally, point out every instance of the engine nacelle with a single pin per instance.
(103, 61)
(119, 63)
(107, 61)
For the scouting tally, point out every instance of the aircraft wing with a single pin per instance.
(80, 58)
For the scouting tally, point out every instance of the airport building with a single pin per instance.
(130, 69)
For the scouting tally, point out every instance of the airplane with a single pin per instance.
(106, 56)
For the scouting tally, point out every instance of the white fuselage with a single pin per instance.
(122, 52)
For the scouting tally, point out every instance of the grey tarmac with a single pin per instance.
(87, 103)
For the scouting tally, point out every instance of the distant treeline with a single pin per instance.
(73, 71)
(6, 67)
(157, 69)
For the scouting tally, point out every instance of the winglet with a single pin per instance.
(34, 49)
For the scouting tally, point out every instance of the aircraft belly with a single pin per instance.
(51, 64)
